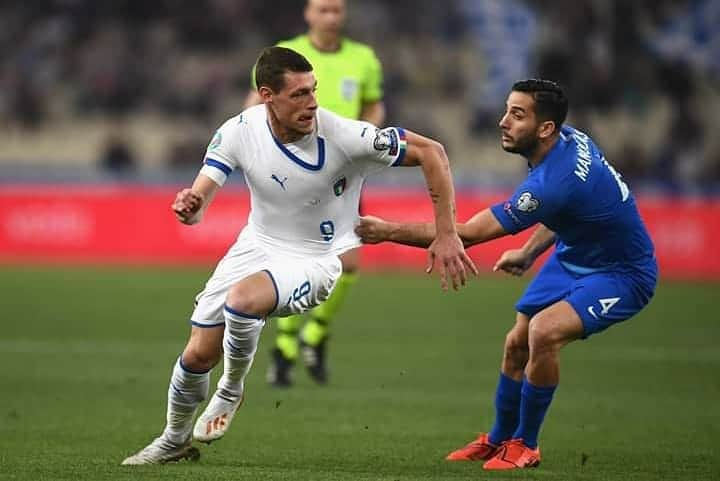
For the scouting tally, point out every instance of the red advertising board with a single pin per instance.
(114, 224)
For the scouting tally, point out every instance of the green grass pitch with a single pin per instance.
(85, 355)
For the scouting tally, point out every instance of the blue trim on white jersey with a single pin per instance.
(277, 293)
(298, 160)
(218, 165)
(204, 326)
(321, 152)
(239, 314)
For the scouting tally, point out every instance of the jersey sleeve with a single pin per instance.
(532, 203)
(363, 142)
(372, 87)
(221, 156)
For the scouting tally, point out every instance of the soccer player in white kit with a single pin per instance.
(304, 167)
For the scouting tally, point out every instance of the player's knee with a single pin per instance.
(516, 349)
(200, 358)
(242, 299)
(542, 334)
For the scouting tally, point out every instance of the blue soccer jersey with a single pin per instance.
(578, 195)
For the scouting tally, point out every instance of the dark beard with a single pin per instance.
(525, 146)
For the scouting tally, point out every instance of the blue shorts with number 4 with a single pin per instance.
(601, 299)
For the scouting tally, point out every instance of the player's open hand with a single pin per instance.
(452, 260)
(514, 261)
(186, 206)
(372, 230)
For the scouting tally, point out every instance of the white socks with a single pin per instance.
(240, 341)
(187, 390)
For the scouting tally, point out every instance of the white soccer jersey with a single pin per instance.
(304, 195)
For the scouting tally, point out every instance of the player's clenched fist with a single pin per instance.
(186, 206)
(514, 261)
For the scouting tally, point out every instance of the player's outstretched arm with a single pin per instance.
(447, 249)
(190, 204)
(373, 230)
(482, 227)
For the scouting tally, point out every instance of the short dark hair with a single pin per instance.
(274, 62)
(551, 103)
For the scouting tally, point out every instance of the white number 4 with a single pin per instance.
(607, 304)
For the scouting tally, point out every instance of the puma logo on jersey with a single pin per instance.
(277, 179)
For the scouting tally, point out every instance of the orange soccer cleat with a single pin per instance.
(480, 449)
(514, 454)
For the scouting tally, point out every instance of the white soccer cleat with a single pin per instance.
(214, 422)
(160, 451)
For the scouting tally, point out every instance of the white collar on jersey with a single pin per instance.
(298, 160)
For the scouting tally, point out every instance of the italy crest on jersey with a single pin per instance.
(339, 186)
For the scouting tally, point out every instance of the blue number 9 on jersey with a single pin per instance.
(301, 291)
(327, 230)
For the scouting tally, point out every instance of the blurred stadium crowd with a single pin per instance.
(130, 86)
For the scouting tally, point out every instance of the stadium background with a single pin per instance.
(106, 109)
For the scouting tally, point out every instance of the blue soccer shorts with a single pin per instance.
(601, 299)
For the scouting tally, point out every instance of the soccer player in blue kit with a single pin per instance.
(603, 270)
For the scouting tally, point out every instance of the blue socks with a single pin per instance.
(533, 406)
(507, 409)
(520, 409)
